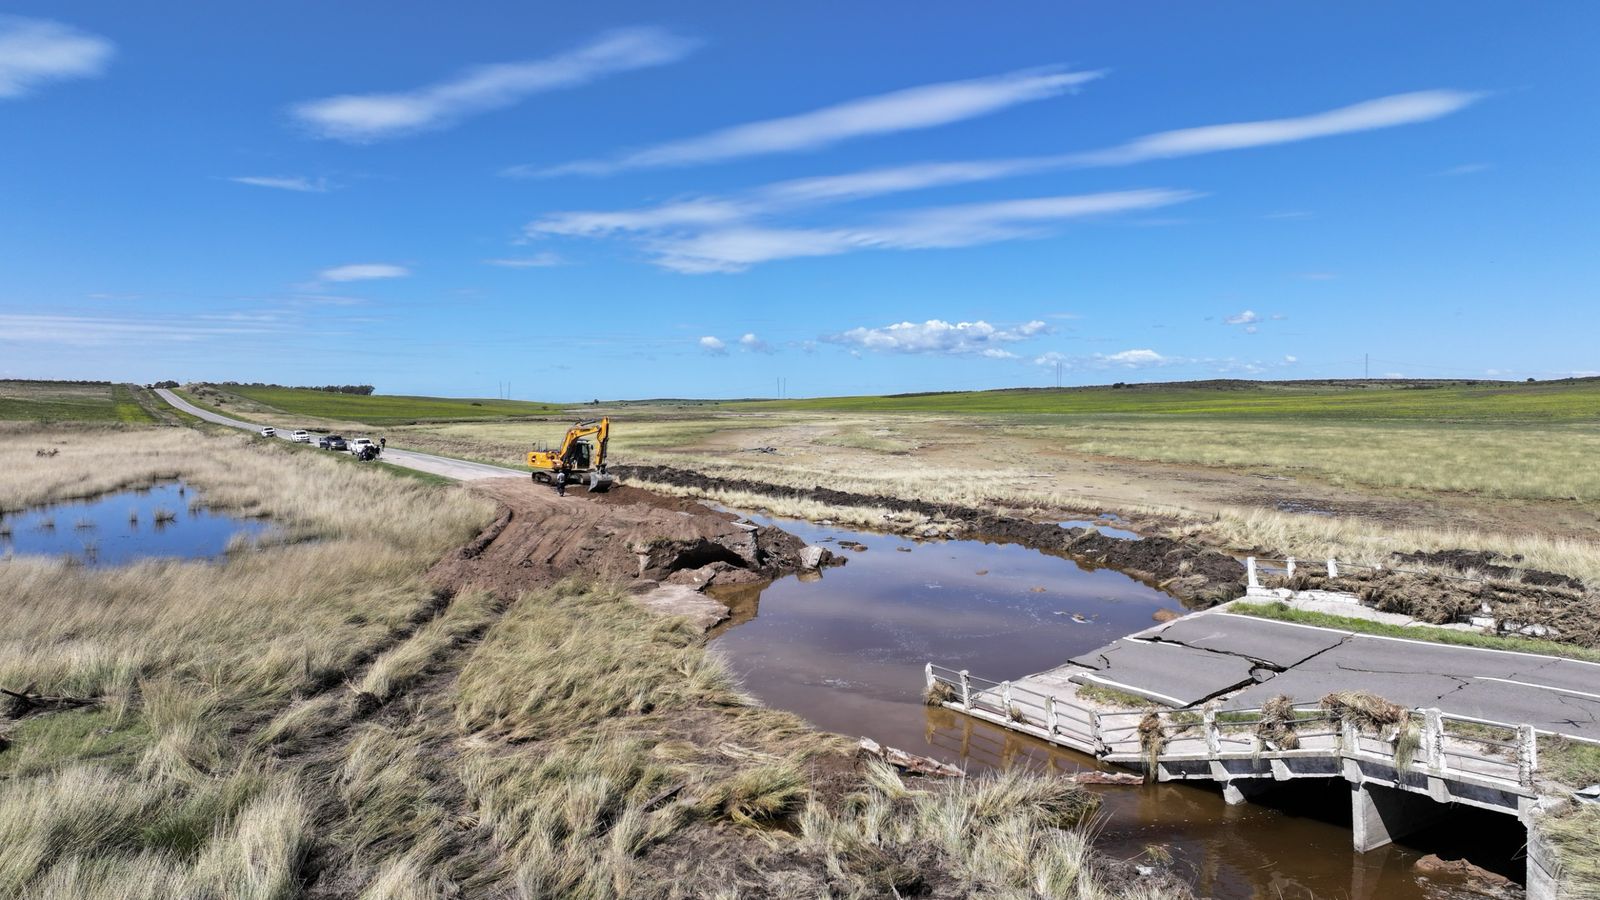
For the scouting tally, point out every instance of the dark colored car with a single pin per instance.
(332, 442)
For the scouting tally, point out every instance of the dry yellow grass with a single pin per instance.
(148, 791)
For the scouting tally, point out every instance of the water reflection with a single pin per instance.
(166, 520)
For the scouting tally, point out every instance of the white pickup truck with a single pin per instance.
(359, 444)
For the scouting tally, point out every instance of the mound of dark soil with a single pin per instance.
(1484, 563)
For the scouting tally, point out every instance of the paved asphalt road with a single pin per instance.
(459, 469)
(1201, 656)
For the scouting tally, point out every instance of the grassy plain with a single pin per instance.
(312, 714)
(376, 409)
(61, 401)
(1494, 401)
(1356, 471)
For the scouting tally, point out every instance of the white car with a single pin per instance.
(268, 431)
(359, 444)
(301, 437)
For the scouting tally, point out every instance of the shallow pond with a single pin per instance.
(846, 651)
(115, 529)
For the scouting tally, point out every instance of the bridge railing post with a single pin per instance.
(1433, 739)
(1213, 736)
(1527, 754)
(1333, 567)
(1005, 698)
(966, 689)
(1289, 567)
(1050, 714)
(1251, 581)
(928, 680)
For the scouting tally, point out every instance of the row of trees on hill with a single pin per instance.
(362, 389)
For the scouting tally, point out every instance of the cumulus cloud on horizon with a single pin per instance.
(938, 337)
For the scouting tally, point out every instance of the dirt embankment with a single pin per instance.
(1199, 576)
(666, 549)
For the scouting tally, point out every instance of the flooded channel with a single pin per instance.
(164, 521)
(846, 651)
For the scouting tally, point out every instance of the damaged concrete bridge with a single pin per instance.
(1466, 732)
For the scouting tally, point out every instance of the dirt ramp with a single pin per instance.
(628, 535)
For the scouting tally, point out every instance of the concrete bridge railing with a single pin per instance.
(1450, 757)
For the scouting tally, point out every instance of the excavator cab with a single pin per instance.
(584, 460)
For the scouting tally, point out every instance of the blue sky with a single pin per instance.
(697, 199)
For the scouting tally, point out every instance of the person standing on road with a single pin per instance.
(561, 482)
(383, 444)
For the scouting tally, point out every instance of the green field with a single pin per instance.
(376, 409)
(62, 401)
(1571, 400)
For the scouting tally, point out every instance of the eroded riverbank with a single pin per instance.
(846, 652)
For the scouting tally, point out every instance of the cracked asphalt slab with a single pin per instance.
(1165, 672)
(443, 466)
(1196, 659)
(1279, 649)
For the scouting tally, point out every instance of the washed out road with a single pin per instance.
(443, 466)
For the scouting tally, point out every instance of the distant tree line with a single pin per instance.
(362, 389)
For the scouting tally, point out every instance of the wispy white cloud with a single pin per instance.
(360, 118)
(36, 52)
(285, 182)
(1244, 318)
(714, 346)
(737, 249)
(717, 217)
(96, 331)
(1465, 169)
(1384, 112)
(362, 272)
(750, 343)
(700, 213)
(536, 261)
(920, 107)
(936, 336)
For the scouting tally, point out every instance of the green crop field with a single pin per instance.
(376, 409)
(63, 401)
(1567, 401)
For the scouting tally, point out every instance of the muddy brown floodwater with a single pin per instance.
(846, 651)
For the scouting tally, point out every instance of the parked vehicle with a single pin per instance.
(333, 442)
(360, 444)
(301, 437)
(268, 431)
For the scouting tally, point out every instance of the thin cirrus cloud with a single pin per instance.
(36, 52)
(738, 248)
(363, 118)
(938, 337)
(925, 106)
(362, 272)
(536, 261)
(711, 212)
(100, 331)
(298, 183)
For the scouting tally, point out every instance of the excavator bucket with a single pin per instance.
(599, 483)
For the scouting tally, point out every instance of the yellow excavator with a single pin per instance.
(582, 460)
